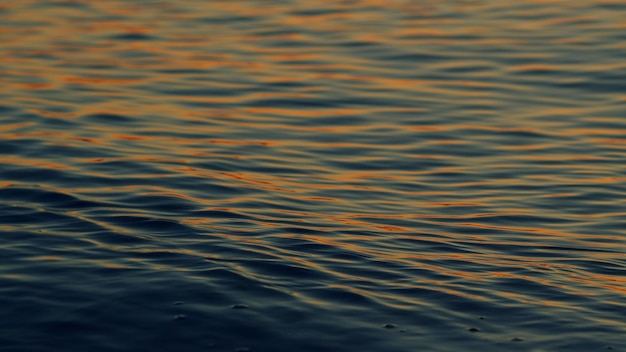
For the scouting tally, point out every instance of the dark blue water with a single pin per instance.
(312, 176)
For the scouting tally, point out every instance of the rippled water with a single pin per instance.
(312, 175)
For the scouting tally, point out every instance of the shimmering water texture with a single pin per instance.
(312, 175)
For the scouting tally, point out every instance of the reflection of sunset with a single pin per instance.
(313, 176)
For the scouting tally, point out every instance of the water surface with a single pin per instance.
(312, 176)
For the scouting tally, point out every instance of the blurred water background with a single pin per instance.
(290, 175)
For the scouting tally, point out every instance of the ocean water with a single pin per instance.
(307, 176)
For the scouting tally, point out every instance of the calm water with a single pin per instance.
(312, 175)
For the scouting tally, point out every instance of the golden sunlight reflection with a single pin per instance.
(294, 169)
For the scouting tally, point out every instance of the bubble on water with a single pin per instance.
(239, 306)
(389, 326)
(473, 329)
(180, 317)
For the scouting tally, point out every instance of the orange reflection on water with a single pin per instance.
(89, 81)
(33, 164)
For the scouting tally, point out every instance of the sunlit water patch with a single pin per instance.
(312, 176)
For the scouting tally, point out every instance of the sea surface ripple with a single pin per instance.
(295, 175)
